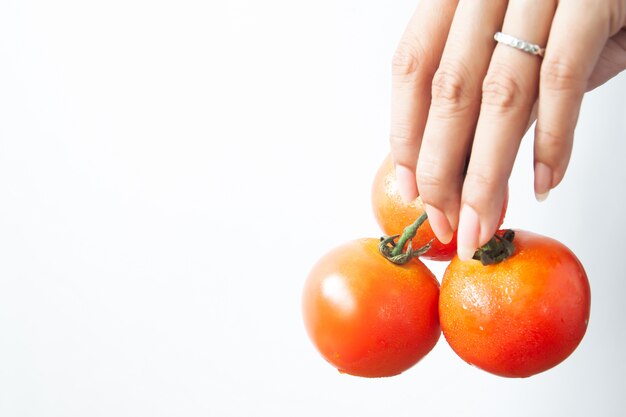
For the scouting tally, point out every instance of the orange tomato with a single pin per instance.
(367, 316)
(518, 317)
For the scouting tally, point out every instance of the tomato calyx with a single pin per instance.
(394, 251)
(498, 249)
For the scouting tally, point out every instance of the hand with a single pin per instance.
(462, 102)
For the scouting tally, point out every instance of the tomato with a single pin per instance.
(367, 316)
(518, 317)
(393, 214)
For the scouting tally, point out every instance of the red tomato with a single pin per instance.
(367, 316)
(393, 214)
(518, 317)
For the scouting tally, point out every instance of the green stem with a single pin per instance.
(407, 234)
(394, 251)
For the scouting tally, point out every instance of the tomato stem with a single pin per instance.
(408, 233)
(498, 249)
(394, 251)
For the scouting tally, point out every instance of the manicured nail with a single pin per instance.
(468, 233)
(439, 223)
(407, 185)
(543, 181)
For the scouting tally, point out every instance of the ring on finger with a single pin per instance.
(520, 44)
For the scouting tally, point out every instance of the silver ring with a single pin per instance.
(520, 44)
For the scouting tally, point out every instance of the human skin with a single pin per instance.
(462, 102)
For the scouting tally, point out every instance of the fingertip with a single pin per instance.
(407, 185)
(439, 224)
(543, 181)
(541, 197)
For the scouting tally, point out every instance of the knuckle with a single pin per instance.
(502, 90)
(401, 136)
(437, 182)
(550, 142)
(560, 75)
(481, 181)
(407, 59)
(427, 176)
(450, 88)
(430, 188)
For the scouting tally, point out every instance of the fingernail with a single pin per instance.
(543, 181)
(407, 185)
(439, 223)
(468, 233)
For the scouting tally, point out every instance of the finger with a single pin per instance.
(571, 56)
(454, 108)
(413, 66)
(508, 94)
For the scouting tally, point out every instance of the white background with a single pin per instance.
(170, 171)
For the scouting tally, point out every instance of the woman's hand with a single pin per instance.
(462, 102)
